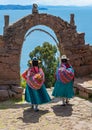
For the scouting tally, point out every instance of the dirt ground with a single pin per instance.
(52, 116)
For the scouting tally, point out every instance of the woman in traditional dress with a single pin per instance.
(35, 92)
(64, 81)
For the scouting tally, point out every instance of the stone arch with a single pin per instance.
(60, 27)
(71, 43)
(66, 33)
(15, 33)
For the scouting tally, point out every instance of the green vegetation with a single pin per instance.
(23, 82)
(47, 54)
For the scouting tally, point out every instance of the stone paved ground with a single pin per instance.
(52, 116)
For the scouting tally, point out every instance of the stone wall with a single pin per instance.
(70, 42)
(9, 78)
(81, 59)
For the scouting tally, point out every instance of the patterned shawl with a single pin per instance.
(34, 77)
(65, 74)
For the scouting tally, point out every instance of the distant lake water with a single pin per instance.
(83, 21)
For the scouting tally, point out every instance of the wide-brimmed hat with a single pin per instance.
(34, 59)
(64, 57)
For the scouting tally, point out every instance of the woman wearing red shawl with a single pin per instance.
(64, 81)
(35, 92)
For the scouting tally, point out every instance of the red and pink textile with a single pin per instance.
(65, 74)
(34, 77)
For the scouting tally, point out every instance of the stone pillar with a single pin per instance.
(72, 22)
(6, 21)
(35, 9)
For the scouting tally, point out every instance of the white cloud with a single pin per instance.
(48, 2)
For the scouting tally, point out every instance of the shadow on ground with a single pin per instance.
(29, 116)
(63, 111)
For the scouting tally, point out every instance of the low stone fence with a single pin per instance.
(10, 91)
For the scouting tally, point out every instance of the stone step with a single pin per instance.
(83, 87)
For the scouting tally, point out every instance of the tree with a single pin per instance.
(47, 54)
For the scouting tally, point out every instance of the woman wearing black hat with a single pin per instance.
(35, 92)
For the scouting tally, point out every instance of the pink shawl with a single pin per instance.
(35, 77)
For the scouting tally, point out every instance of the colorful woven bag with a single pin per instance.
(36, 80)
(66, 75)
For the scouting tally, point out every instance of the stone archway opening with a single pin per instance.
(32, 42)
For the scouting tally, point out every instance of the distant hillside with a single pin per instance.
(18, 7)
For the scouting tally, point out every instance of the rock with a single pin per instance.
(12, 94)
(4, 87)
(17, 89)
(4, 95)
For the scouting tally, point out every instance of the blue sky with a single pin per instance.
(48, 2)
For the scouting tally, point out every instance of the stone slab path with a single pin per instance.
(52, 116)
